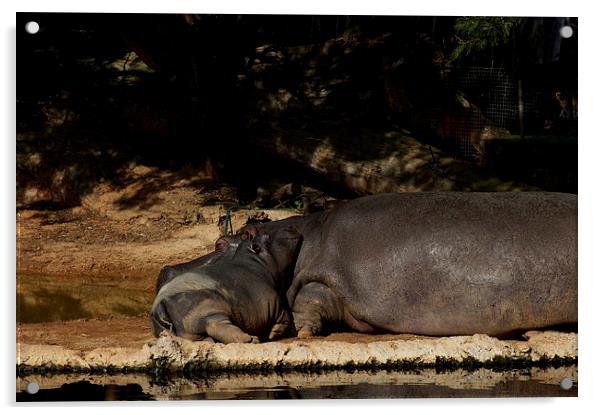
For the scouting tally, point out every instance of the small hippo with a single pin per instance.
(234, 298)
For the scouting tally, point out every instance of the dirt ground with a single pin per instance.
(134, 332)
(86, 335)
(131, 231)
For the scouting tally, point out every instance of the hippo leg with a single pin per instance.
(282, 326)
(221, 328)
(315, 305)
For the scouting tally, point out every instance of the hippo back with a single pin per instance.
(449, 263)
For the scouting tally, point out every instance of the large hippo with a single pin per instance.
(437, 264)
(235, 297)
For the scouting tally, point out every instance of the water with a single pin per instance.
(381, 384)
(43, 299)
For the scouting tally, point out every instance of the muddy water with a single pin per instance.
(43, 299)
(534, 382)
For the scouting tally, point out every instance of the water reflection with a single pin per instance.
(540, 382)
(42, 299)
(87, 391)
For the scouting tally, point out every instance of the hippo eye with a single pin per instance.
(255, 248)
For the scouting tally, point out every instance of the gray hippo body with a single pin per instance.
(225, 246)
(437, 264)
(233, 298)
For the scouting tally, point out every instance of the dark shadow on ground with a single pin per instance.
(207, 98)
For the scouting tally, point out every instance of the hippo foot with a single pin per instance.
(307, 327)
(282, 326)
(278, 331)
(222, 330)
(315, 306)
(305, 332)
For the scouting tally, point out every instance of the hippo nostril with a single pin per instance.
(249, 233)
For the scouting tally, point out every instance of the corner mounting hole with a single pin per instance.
(32, 27)
(32, 388)
(566, 31)
(566, 383)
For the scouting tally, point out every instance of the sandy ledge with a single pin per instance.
(169, 353)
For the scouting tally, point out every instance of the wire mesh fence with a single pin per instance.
(494, 98)
(492, 90)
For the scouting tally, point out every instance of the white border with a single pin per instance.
(375, 7)
(590, 176)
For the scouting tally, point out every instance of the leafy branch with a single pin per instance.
(476, 34)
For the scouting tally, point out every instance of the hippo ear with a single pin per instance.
(221, 245)
(249, 233)
(290, 232)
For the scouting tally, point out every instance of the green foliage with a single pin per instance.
(476, 34)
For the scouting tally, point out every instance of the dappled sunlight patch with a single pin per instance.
(387, 161)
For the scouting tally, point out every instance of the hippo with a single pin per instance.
(235, 297)
(437, 264)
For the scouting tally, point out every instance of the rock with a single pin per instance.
(31, 355)
(551, 344)
(173, 353)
